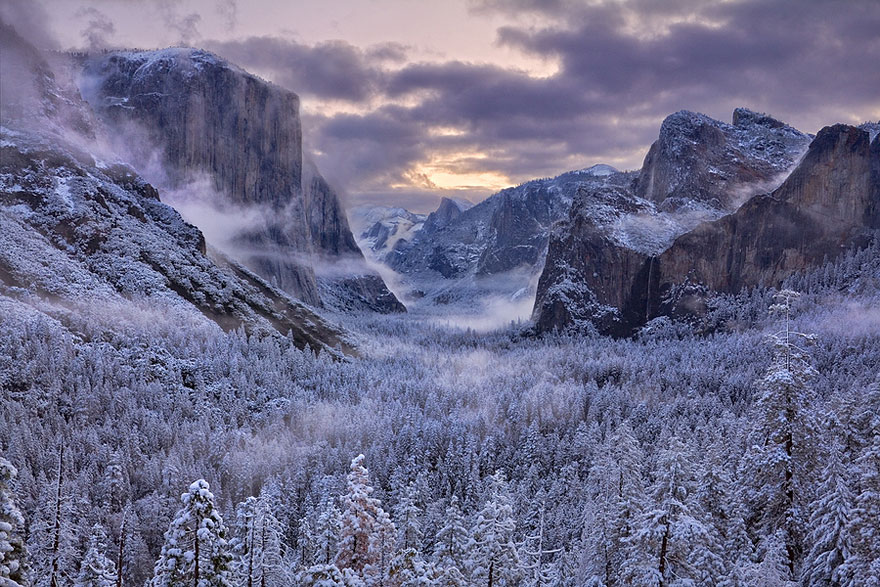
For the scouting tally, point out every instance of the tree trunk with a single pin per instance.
(196, 571)
(664, 549)
(250, 580)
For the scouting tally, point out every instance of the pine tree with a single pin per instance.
(668, 540)
(328, 576)
(96, 570)
(495, 557)
(452, 539)
(327, 530)
(195, 553)
(780, 459)
(409, 569)
(830, 524)
(256, 542)
(617, 498)
(359, 515)
(244, 544)
(383, 540)
(409, 516)
(862, 568)
(534, 550)
(774, 568)
(13, 554)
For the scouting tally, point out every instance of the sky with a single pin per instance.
(405, 101)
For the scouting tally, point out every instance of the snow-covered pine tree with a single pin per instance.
(452, 539)
(617, 499)
(774, 568)
(96, 570)
(256, 542)
(327, 530)
(244, 546)
(383, 545)
(409, 516)
(328, 576)
(358, 521)
(195, 553)
(782, 453)
(830, 517)
(863, 565)
(495, 560)
(13, 554)
(536, 572)
(668, 540)
(409, 569)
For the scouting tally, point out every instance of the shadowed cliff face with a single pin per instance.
(828, 202)
(347, 283)
(210, 119)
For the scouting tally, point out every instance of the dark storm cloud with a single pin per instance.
(330, 70)
(821, 50)
(623, 65)
(622, 68)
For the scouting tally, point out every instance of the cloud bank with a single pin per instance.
(393, 126)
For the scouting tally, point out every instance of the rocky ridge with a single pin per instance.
(596, 276)
(203, 117)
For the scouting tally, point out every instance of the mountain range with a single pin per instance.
(82, 224)
(715, 208)
(106, 156)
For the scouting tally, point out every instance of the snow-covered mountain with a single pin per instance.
(677, 234)
(230, 144)
(380, 229)
(83, 234)
(463, 254)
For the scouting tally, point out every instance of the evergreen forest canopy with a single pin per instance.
(746, 456)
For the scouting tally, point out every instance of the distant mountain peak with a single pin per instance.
(599, 170)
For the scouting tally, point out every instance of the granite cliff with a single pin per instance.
(85, 240)
(202, 117)
(597, 276)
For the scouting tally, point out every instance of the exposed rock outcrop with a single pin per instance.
(606, 265)
(829, 202)
(211, 119)
(700, 160)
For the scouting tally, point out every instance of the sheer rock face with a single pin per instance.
(827, 204)
(446, 212)
(210, 119)
(588, 268)
(348, 284)
(595, 276)
(698, 159)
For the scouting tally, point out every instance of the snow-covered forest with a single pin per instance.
(745, 454)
